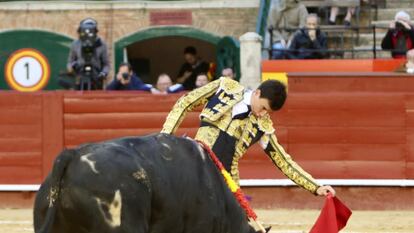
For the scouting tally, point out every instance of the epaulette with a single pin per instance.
(265, 124)
(230, 86)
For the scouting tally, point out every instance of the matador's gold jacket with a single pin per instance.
(230, 136)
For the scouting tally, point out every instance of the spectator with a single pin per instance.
(227, 72)
(288, 14)
(350, 11)
(309, 42)
(88, 57)
(201, 80)
(125, 79)
(400, 36)
(191, 68)
(408, 66)
(164, 85)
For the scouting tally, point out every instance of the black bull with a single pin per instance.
(157, 183)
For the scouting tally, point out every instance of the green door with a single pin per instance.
(30, 55)
(228, 55)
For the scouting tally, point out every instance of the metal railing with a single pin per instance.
(337, 35)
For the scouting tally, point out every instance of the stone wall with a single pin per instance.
(119, 19)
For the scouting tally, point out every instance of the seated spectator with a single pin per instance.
(191, 68)
(227, 72)
(164, 85)
(350, 11)
(288, 14)
(125, 79)
(408, 66)
(400, 36)
(309, 42)
(201, 80)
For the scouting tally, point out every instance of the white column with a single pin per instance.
(250, 59)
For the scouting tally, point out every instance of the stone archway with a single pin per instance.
(160, 50)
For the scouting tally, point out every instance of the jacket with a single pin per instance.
(302, 47)
(230, 137)
(135, 84)
(389, 42)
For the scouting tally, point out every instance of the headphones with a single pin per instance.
(88, 23)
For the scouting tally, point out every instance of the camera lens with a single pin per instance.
(125, 76)
(399, 26)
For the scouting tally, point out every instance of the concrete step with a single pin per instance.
(382, 23)
(389, 13)
(399, 3)
(366, 52)
(367, 38)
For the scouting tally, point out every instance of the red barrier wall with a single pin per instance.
(332, 65)
(361, 128)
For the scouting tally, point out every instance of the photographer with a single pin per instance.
(88, 57)
(125, 79)
(400, 36)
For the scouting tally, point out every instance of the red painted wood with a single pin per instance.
(19, 174)
(350, 83)
(346, 65)
(52, 129)
(20, 137)
(124, 120)
(79, 136)
(134, 102)
(355, 132)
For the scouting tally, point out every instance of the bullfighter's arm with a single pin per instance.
(285, 163)
(187, 103)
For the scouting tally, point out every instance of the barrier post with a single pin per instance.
(250, 59)
(52, 129)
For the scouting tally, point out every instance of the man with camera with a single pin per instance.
(88, 57)
(400, 36)
(125, 79)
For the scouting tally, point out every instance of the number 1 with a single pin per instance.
(27, 70)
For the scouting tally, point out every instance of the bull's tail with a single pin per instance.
(58, 171)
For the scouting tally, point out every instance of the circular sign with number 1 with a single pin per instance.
(27, 70)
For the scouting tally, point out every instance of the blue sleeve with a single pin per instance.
(114, 85)
(175, 88)
(138, 84)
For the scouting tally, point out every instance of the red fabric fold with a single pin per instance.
(333, 217)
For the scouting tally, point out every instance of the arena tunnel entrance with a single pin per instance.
(160, 50)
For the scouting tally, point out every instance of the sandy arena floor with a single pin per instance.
(286, 221)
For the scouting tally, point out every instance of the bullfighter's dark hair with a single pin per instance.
(275, 92)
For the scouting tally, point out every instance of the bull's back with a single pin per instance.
(155, 183)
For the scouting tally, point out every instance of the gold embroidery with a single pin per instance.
(186, 103)
(234, 171)
(246, 137)
(285, 163)
(231, 86)
(225, 105)
(208, 135)
(235, 128)
(266, 124)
